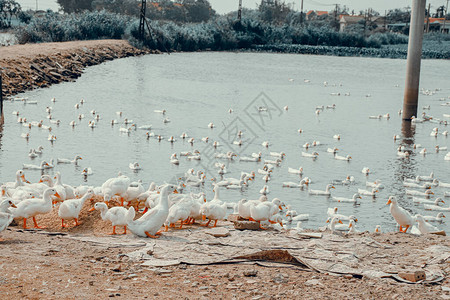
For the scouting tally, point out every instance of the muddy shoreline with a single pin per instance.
(30, 66)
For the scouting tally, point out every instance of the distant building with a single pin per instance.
(437, 24)
(346, 20)
(314, 14)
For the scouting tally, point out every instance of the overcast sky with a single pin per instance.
(224, 6)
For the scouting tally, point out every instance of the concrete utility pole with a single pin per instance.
(301, 13)
(428, 18)
(240, 10)
(411, 97)
(1, 95)
(445, 17)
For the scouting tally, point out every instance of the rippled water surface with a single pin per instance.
(199, 88)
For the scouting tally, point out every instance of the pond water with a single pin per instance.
(199, 88)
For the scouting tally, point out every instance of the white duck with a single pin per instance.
(300, 217)
(428, 201)
(87, 172)
(298, 171)
(118, 216)
(443, 184)
(332, 150)
(352, 227)
(32, 154)
(5, 220)
(61, 189)
(401, 216)
(69, 161)
(250, 159)
(264, 190)
(416, 185)
(377, 229)
(150, 223)
(332, 212)
(5, 205)
(348, 180)
(116, 186)
(32, 207)
(353, 200)
(327, 191)
(70, 209)
(174, 160)
(278, 154)
(133, 191)
(42, 166)
(213, 211)
(304, 182)
(371, 193)
(179, 212)
(134, 166)
(235, 186)
(425, 227)
(333, 222)
(244, 208)
(346, 158)
(437, 218)
(426, 194)
(435, 207)
(20, 179)
(264, 210)
(310, 155)
(426, 178)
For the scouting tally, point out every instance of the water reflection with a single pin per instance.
(2, 122)
(406, 166)
(408, 131)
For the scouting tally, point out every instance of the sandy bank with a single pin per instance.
(30, 66)
(190, 263)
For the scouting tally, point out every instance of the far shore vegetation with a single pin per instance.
(193, 25)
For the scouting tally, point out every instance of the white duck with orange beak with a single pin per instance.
(150, 223)
(20, 179)
(333, 222)
(327, 191)
(401, 216)
(30, 208)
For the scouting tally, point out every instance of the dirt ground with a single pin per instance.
(86, 263)
(49, 49)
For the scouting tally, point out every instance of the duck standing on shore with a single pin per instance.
(401, 216)
(150, 223)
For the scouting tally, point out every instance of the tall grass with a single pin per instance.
(53, 27)
(220, 34)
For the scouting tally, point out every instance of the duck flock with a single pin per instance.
(213, 177)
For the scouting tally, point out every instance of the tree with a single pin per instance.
(8, 10)
(75, 6)
(198, 10)
(399, 15)
(125, 7)
(440, 12)
(273, 11)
